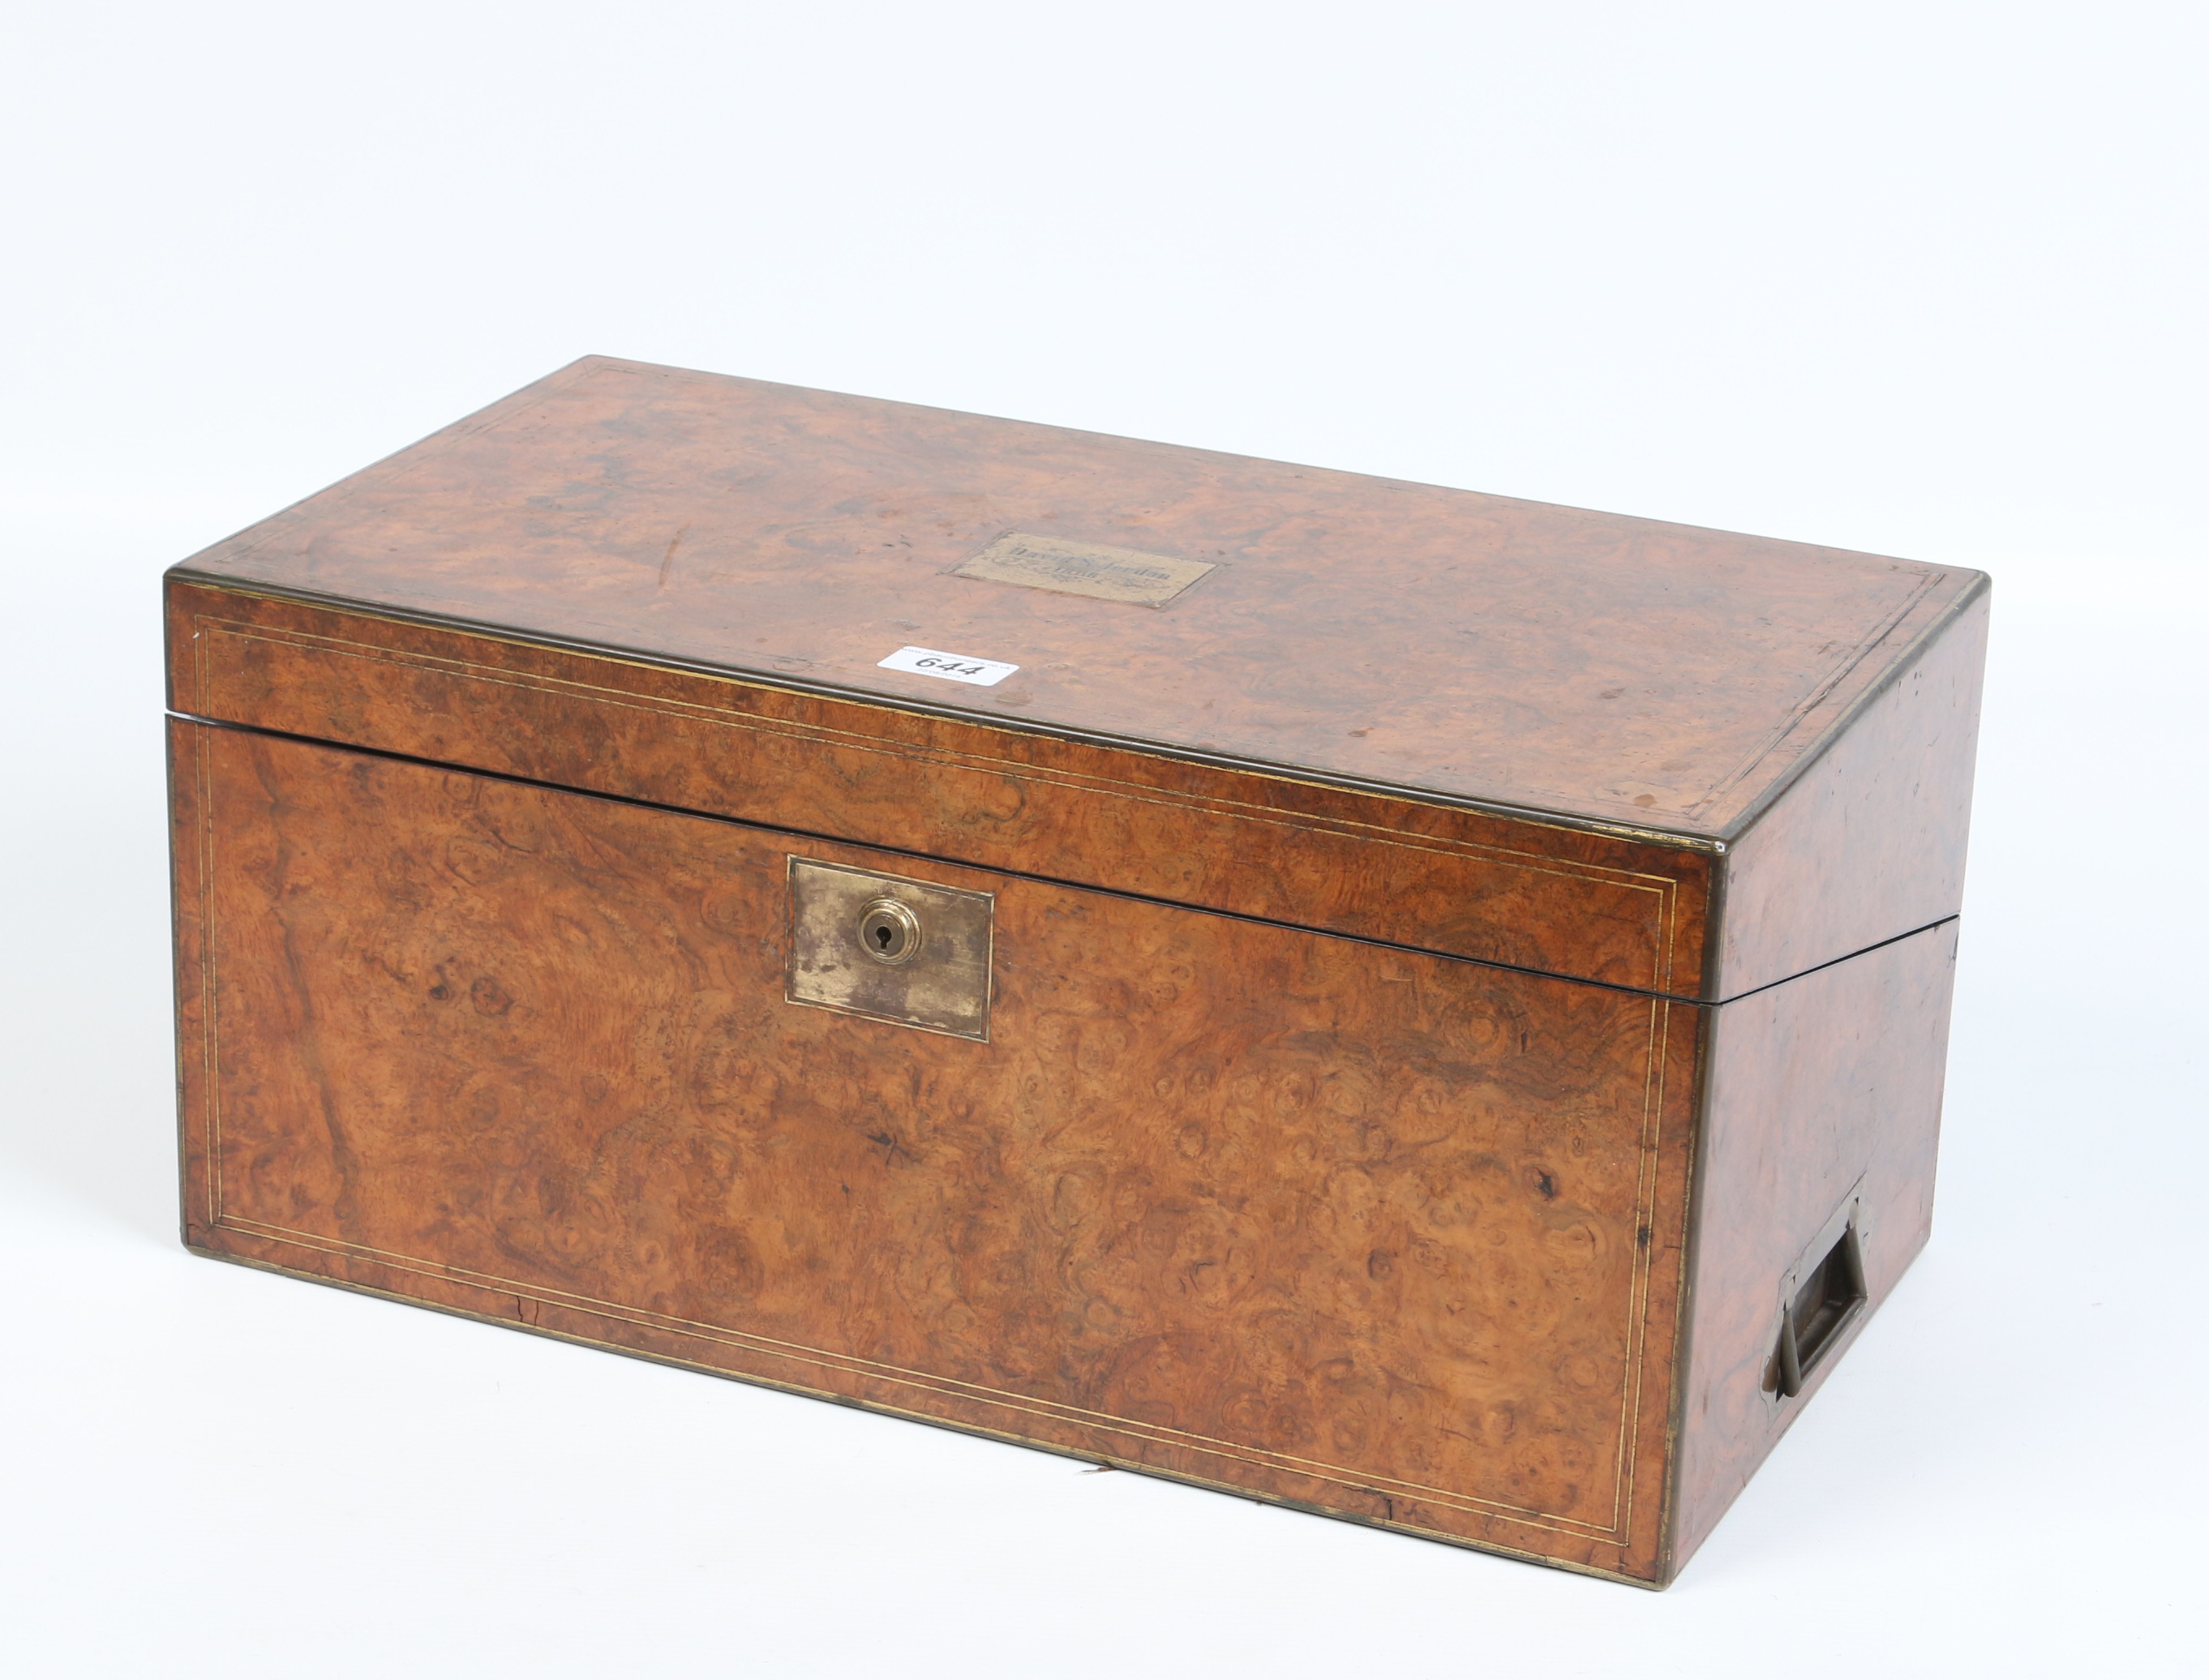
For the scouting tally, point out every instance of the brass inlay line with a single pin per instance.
(432, 621)
(211, 987)
(885, 1408)
(1625, 1454)
(1818, 693)
(1018, 769)
(1665, 887)
(1644, 1221)
(951, 1388)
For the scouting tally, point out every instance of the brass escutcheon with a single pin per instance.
(891, 947)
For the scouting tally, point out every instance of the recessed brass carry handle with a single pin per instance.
(1827, 1301)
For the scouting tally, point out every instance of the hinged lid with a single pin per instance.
(1612, 671)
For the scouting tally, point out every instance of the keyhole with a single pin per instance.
(889, 931)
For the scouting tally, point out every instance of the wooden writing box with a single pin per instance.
(1421, 1007)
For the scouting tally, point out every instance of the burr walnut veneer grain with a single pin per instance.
(1387, 1233)
(1442, 958)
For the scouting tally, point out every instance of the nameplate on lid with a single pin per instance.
(1083, 569)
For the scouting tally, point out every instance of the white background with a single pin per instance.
(1925, 278)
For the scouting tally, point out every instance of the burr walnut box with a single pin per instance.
(1412, 1005)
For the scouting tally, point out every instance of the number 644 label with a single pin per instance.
(957, 667)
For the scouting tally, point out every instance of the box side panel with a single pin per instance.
(1391, 1236)
(1822, 1105)
(1554, 899)
(1869, 842)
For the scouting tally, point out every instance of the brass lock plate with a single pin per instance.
(890, 948)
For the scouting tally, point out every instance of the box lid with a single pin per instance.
(1459, 646)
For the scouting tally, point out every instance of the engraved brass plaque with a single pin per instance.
(1083, 569)
(889, 948)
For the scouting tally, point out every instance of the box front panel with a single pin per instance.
(1390, 1236)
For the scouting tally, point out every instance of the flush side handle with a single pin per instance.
(1819, 1297)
